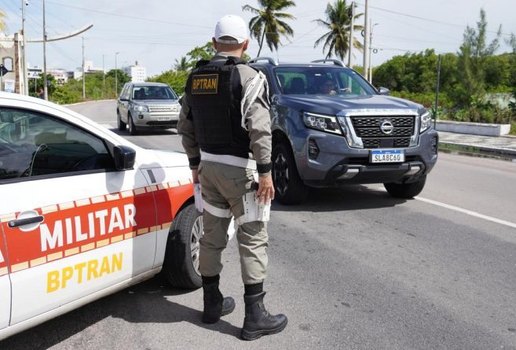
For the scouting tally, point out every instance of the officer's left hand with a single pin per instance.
(195, 176)
(265, 191)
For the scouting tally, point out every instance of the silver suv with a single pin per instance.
(331, 127)
(147, 105)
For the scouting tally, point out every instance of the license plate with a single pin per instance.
(387, 156)
(162, 119)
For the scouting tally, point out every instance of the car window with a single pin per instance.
(35, 144)
(321, 80)
(154, 93)
(125, 92)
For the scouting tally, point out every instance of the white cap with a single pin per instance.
(233, 27)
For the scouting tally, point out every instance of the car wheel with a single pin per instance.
(288, 186)
(181, 265)
(406, 190)
(132, 127)
(121, 125)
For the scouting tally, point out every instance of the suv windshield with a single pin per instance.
(153, 93)
(321, 81)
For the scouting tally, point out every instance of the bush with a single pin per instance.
(426, 99)
(480, 114)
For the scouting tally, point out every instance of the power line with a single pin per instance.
(153, 20)
(427, 19)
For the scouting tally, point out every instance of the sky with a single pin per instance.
(157, 33)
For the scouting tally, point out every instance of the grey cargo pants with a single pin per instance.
(222, 189)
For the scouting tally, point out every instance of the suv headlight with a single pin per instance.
(426, 121)
(321, 122)
(141, 108)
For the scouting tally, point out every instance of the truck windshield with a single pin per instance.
(322, 81)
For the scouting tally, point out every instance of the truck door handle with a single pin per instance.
(26, 221)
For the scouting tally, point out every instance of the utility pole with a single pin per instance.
(371, 50)
(83, 73)
(350, 54)
(24, 59)
(116, 76)
(103, 78)
(366, 39)
(45, 87)
(437, 87)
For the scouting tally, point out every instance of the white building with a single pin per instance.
(60, 75)
(137, 73)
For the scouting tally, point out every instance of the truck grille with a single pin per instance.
(368, 128)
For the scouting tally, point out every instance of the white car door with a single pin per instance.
(5, 286)
(74, 227)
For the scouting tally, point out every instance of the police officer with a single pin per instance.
(225, 128)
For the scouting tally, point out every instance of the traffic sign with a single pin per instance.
(3, 70)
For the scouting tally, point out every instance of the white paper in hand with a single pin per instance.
(232, 229)
(198, 197)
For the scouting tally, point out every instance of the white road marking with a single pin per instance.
(468, 212)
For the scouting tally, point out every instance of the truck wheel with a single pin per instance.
(406, 190)
(132, 127)
(288, 186)
(121, 125)
(181, 265)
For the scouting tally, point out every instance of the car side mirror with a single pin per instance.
(124, 157)
(123, 99)
(384, 91)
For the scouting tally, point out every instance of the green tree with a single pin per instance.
(414, 76)
(497, 73)
(338, 23)
(472, 62)
(176, 79)
(410, 72)
(117, 79)
(36, 84)
(268, 24)
(198, 53)
(512, 74)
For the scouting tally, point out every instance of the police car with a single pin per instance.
(85, 213)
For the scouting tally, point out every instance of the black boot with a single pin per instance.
(215, 305)
(258, 321)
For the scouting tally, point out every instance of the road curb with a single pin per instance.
(477, 151)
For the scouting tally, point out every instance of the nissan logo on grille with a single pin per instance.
(386, 127)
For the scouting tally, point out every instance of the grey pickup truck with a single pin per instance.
(331, 127)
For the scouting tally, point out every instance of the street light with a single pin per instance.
(24, 55)
(45, 87)
(116, 76)
(369, 73)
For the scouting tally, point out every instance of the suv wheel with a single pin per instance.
(288, 186)
(406, 190)
(132, 127)
(121, 125)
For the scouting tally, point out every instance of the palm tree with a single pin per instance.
(2, 23)
(338, 22)
(181, 64)
(268, 23)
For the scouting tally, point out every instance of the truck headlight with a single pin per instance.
(141, 108)
(426, 121)
(321, 122)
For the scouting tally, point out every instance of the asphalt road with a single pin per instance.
(352, 269)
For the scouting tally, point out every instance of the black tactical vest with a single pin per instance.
(214, 91)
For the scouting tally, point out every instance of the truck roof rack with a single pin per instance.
(333, 60)
(263, 58)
